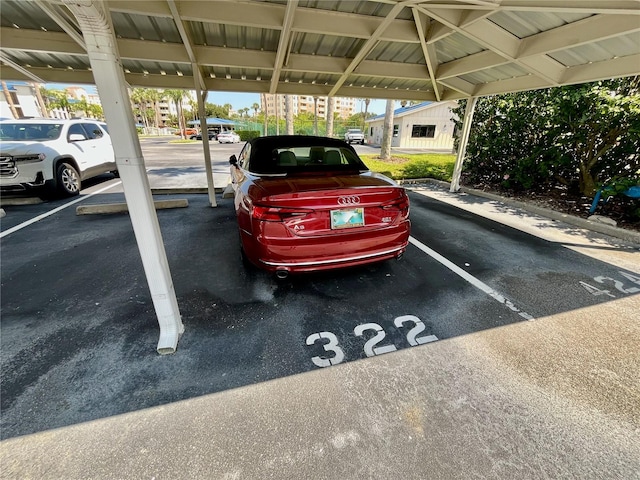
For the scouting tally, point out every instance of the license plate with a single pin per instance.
(348, 218)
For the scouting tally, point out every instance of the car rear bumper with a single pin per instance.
(297, 254)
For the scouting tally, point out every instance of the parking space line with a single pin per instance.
(55, 210)
(470, 278)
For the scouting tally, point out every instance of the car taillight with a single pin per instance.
(276, 214)
(401, 204)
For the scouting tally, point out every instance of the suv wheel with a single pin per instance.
(68, 180)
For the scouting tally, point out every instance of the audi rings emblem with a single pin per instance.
(349, 200)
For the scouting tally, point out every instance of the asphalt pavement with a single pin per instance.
(503, 345)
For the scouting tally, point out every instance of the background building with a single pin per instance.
(424, 125)
(344, 107)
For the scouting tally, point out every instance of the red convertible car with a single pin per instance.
(307, 203)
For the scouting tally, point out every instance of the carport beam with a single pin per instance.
(108, 74)
(204, 131)
(462, 147)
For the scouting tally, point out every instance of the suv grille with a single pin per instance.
(8, 167)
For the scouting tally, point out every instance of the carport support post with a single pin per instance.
(97, 31)
(204, 130)
(462, 147)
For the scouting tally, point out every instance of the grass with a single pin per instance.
(422, 165)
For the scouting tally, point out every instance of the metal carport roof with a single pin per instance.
(409, 50)
(426, 50)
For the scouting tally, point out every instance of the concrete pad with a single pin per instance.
(4, 201)
(122, 207)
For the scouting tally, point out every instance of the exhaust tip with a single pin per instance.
(282, 273)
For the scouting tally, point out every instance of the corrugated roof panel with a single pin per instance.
(29, 15)
(234, 36)
(328, 45)
(44, 60)
(374, 9)
(144, 27)
(398, 52)
(525, 24)
(456, 46)
(381, 82)
(502, 72)
(604, 50)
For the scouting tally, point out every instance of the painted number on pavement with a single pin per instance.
(617, 284)
(374, 345)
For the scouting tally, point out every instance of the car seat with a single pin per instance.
(332, 157)
(287, 158)
(316, 154)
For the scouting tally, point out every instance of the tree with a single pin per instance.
(288, 111)
(177, 96)
(140, 97)
(255, 107)
(387, 131)
(366, 108)
(330, 114)
(59, 99)
(578, 136)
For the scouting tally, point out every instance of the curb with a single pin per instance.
(617, 232)
(107, 208)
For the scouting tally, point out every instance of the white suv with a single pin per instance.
(354, 135)
(52, 153)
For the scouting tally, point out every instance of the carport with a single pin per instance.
(403, 50)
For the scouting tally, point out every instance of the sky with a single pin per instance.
(237, 100)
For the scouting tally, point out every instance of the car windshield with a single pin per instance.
(299, 155)
(38, 132)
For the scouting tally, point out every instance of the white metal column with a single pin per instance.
(204, 130)
(109, 77)
(464, 139)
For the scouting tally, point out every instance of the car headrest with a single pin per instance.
(287, 158)
(332, 157)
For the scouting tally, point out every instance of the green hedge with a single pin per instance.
(246, 135)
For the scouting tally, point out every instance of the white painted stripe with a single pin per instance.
(469, 278)
(55, 210)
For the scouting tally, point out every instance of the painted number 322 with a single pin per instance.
(372, 347)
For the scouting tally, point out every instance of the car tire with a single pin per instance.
(115, 173)
(67, 180)
(361, 142)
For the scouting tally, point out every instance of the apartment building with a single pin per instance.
(344, 107)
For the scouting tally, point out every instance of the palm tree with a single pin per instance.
(139, 98)
(330, 110)
(255, 107)
(155, 96)
(60, 100)
(366, 108)
(315, 115)
(177, 96)
(288, 112)
(387, 131)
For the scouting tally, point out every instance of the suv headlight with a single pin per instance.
(35, 157)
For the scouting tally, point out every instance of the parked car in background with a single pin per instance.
(228, 136)
(53, 154)
(188, 132)
(354, 135)
(306, 203)
(211, 135)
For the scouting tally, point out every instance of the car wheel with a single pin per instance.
(361, 142)
(68, 180)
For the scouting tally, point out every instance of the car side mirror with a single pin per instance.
(233, 160)
(76, 137)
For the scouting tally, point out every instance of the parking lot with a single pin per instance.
(502, 345)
